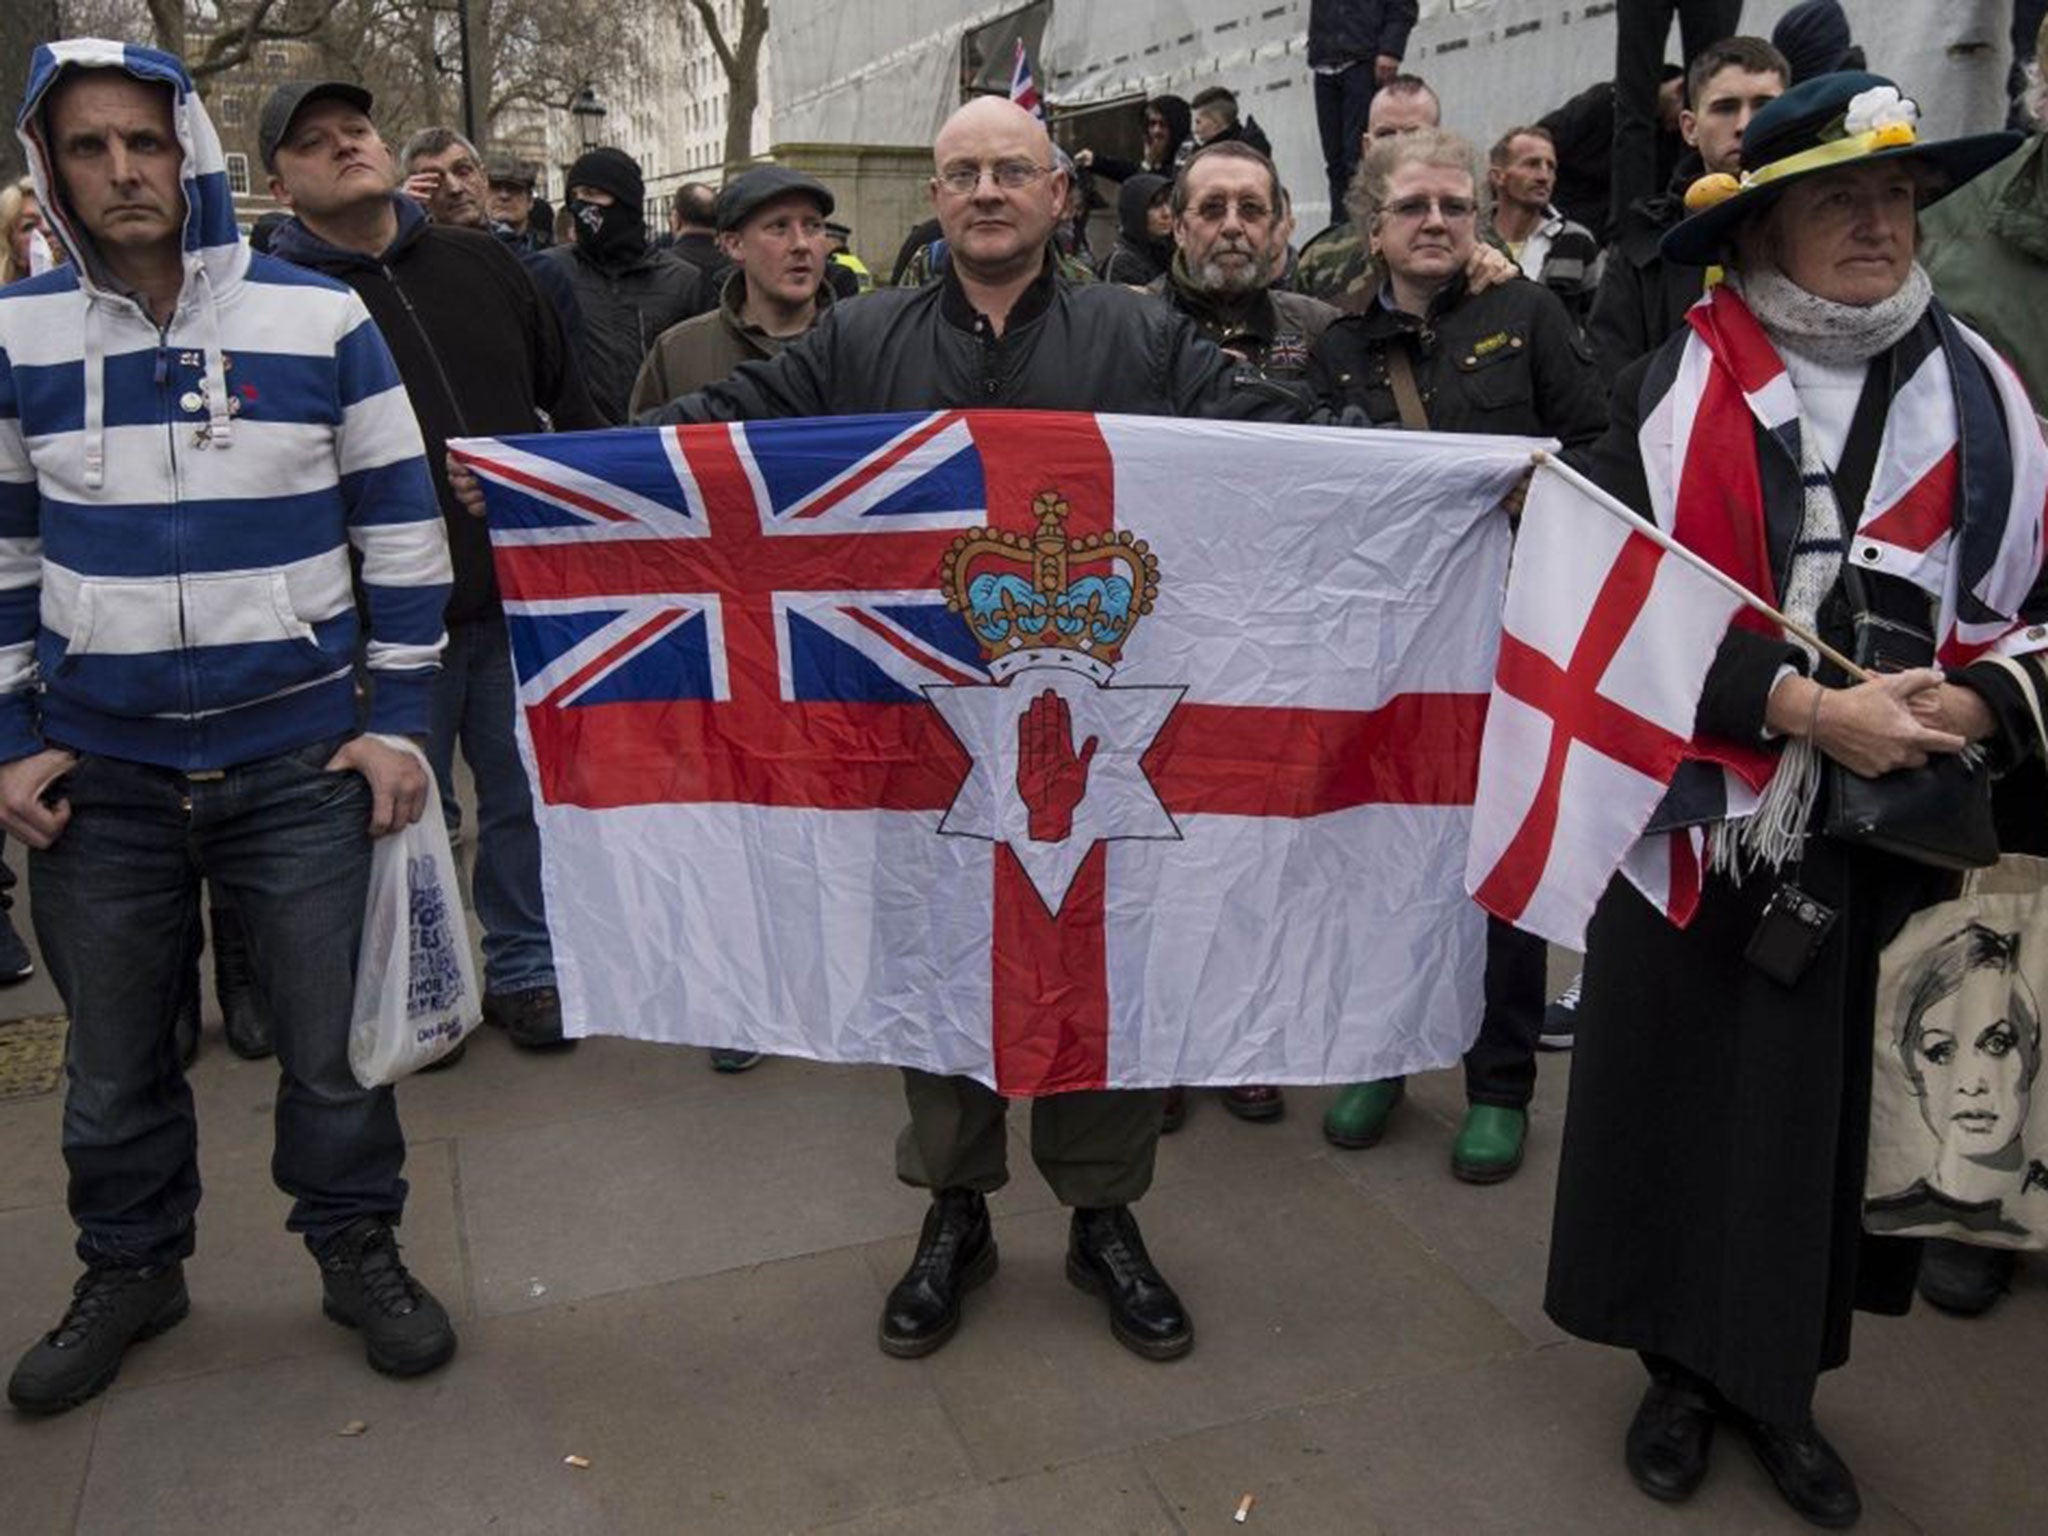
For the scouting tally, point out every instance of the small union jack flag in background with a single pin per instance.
(1023, 86)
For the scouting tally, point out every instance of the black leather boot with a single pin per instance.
(956, 1251)
(1668, 1440)
(242, 1012)
(1106, 1257)
(1810, 1474)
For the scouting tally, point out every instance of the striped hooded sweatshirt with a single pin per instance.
(178, 504)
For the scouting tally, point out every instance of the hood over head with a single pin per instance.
(1133, 201)
(214, 252)
(212, 242)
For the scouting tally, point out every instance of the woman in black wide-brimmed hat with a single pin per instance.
(1827, 433)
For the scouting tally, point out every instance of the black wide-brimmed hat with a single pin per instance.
(1828, 123)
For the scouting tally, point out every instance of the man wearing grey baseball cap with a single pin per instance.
(284, 104)
(771, 224)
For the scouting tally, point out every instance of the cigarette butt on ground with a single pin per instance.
(353, 1428)
(578, 1462)
(1244, 1509)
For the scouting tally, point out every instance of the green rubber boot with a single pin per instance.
(1489, 1144)
(1357, 1117)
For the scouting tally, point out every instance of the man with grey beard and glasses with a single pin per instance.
(1229, 250)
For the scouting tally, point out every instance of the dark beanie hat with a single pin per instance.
(1814, 37)
(610, 170)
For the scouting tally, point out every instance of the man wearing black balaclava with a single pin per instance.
(629, 292)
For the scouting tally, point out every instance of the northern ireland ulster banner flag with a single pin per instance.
(1058, 751)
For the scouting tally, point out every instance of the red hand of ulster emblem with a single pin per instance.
(1051, 777)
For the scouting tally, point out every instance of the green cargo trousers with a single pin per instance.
(1093, 1148)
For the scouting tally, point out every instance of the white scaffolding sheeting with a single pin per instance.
(887, 71)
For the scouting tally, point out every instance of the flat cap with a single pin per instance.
(502, 168)
(750, 190)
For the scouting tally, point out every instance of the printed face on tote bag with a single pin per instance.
(1966, 1031)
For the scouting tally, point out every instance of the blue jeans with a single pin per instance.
(116, 908)
(474, 700)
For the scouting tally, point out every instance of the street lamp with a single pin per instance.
(589, 114)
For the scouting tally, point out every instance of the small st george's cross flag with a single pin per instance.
(1058, 751)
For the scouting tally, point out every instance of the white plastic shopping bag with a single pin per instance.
(416, 991)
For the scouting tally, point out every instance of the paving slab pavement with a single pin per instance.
(675, 1275)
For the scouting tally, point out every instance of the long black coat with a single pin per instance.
(1710, 1193)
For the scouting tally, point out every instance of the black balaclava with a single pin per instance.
(615, 234)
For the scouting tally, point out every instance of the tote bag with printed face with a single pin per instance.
(1959, 1110)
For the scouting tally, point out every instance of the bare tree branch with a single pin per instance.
(741, 62)
(234, 45)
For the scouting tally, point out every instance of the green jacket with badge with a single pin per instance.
(1272, 330)
(1508, 360)
(1986, 247)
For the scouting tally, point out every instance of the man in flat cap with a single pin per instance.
(771, 226)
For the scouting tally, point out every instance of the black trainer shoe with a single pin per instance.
(1963, 1278)
(242, 1012)
(366, 1286)
(531, 1018)
(726, 1061)
(1810, 1474)
(956, 1251)
(1561, 1019)
(111, 1308)
(16, 963)
(1106, 1257)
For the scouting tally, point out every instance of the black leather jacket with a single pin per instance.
(1066, 347)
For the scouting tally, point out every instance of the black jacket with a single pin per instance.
(1138, 256)
(1508, 360)
(1583, 132)
(1351, 31)
(480, 352)
(1066, 347)
(1643, 298)
(703, 252)
(549, 278)
(624, 309)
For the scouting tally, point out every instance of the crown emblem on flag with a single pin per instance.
(1046, 599)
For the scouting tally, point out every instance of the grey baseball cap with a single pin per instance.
(750, 190)
(283, 104)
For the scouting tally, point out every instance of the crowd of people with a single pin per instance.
(247, 605)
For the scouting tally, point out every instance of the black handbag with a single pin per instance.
(1939, 814)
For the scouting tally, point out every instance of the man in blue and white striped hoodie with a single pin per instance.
(194, 440)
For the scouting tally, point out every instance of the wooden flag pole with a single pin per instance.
(1649, 530)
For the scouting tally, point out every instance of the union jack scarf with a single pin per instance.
(1955, 506)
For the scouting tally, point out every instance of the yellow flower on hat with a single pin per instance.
(1709, 191)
